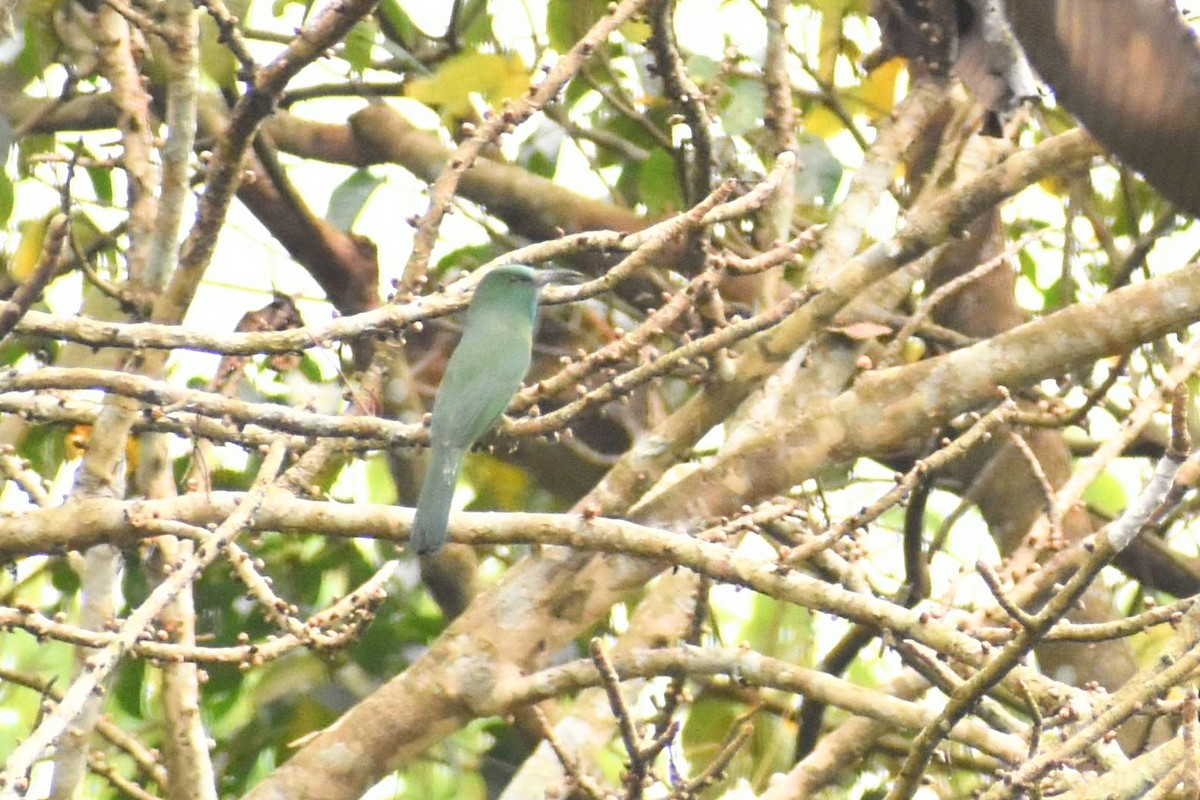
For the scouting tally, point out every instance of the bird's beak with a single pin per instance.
(562, 277)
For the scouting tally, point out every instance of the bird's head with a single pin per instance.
(518, 285)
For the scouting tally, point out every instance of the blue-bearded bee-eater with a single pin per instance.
(483, 374)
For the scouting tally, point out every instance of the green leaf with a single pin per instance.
(7, 197)
(397, 21)
(310, 368)
(12, 349)
(29, 146)
(744, 103)
(1060, 294)
(702, 69)
(350, 197)
(44, 448)
(539, 153)
(539, 164)
(781, 630)
(466, 258)
(63, 578)
(217, 61)
(41, 43)
(1107, 495)
(568, 20)
(279, 7)
(629, 180)
(102, 184)
(130, 687)
(359, 44)
(626, 129)
(479, 31)
(576, 90)
(659, 184)
(820, 172)
(84, 230)
(380, 486)
(708, 724)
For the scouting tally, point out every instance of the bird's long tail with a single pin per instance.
(433, 507)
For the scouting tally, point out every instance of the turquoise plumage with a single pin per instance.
(483, 374)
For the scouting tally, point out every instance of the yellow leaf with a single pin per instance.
(830, 45)
(1053, 185)
(79, 438)
(878, 92)
(637, 31)
(497, 484)
(493, 77)
(76, 441)
(822, 122)
(29, 249)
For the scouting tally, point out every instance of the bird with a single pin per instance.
(483, 374)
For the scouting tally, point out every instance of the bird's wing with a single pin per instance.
(478, 385)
